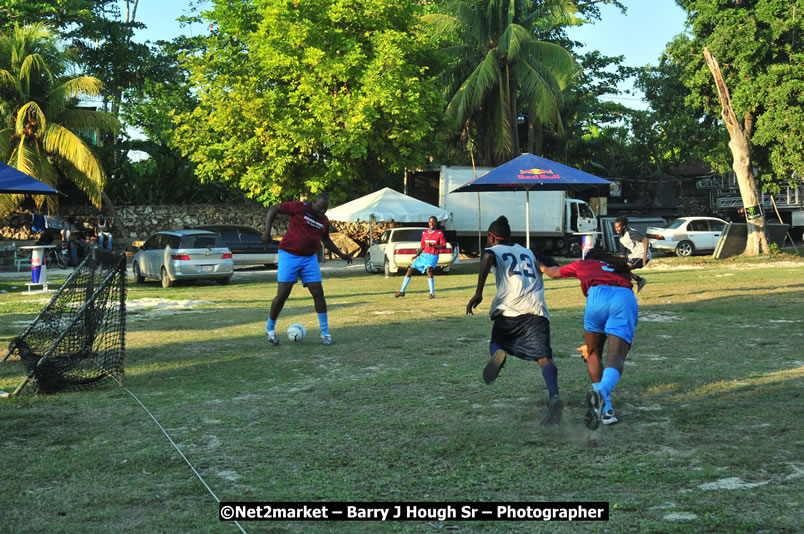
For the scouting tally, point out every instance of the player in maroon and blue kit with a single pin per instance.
(611, 314)
(308, 227)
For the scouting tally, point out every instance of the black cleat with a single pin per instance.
(492, 369)
(594, 412)
(640, 284)
(553, 414)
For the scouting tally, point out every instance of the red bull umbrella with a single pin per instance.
(533, 173)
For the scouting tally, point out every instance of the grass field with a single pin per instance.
(710, 406)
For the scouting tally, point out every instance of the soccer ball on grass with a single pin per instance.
(296, 332)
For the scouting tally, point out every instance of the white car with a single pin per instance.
(396, 248)
(686, 236)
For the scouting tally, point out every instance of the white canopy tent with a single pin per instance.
(386, 205)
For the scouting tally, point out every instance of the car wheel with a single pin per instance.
(370, 264)
(138, 278)
(387, 267)
(166, 281)
(574, 248)
(684, 249)
(223, 281)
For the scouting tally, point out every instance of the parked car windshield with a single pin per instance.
(202, 241)
(676, 223)
(250, 236)
(407, 235)
(228, 235)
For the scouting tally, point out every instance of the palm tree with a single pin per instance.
(39, 118)
(499, 68)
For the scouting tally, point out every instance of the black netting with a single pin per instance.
(78, 340)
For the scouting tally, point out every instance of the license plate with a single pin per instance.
(206, 268)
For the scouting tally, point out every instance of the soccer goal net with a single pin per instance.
(78, 339)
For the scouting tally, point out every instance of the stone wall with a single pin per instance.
(693, 205)
(136, 223)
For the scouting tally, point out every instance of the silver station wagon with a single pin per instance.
(171, 256)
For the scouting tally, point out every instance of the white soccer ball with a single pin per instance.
(296, 332)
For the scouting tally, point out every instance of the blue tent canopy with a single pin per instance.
(533, 173)
(15, 182)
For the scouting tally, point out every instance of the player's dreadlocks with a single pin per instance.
(620, 264)
(500, 227)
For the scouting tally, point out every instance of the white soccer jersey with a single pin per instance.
(520, 288)
(631, 241)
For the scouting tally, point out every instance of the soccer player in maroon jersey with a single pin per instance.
(611, 314)
(307, 228)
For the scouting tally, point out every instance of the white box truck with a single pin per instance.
(554, 218)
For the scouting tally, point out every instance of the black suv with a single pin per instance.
(246, 244)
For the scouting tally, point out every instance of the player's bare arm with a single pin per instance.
(486, 263)
(552, 272)
(273, 211)
(334, 248)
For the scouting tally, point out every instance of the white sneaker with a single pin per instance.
(609, 418)
(326, 339)
(271, 335)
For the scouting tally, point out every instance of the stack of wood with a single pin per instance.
(359, 232)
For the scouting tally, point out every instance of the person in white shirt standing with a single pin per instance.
(521, 320)
(634, 247)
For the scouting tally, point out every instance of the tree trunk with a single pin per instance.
(535, 137)
(739, 136)
(108, 210)
(513, 115)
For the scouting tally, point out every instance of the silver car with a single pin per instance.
(687, 235)
(176, 255)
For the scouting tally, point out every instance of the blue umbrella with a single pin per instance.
(533, 173)
(17, 182)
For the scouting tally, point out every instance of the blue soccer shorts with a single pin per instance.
(424, 261)
(611, 310)
(291, 267)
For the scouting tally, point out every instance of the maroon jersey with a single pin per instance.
(594, 273)
(305, 230)
(433, 241)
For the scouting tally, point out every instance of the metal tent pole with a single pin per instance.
(527, 218)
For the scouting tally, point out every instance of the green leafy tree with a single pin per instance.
(39, 132)
(674, 132)
(58, 14)
(166, 176)
(165, 90)
(301, 96)
(500, 69)
(743, 64)
(596, 135)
